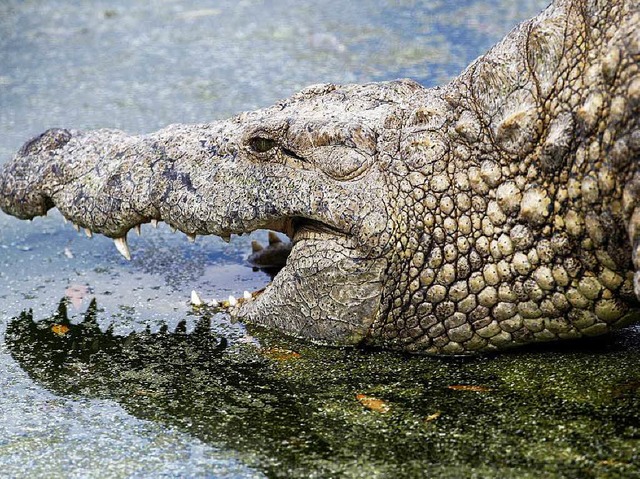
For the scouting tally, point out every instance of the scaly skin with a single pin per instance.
(500, 209)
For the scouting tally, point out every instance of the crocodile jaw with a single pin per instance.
(331, 300)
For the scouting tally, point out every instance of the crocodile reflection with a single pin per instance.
(300, 416)
(225, 396)
(67, 357)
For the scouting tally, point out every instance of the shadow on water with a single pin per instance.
(294, 410)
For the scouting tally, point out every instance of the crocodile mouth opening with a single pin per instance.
(306, 238)
(313, 252)
(306, 229)
(272, 258)
(299, 228)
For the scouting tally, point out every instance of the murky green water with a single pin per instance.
(137, 385)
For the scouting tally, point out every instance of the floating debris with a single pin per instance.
(433, 417)
(470, 387)
(59, 329)
(280, 354)
(373, 403)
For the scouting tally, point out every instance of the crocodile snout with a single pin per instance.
(22, 185)
(50, 140)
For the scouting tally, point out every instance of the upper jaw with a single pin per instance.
(108, 182)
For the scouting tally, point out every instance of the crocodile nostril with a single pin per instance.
(50, 140)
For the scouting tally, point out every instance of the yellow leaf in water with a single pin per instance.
(146, 392)
(470, 387)
(59, 329)
(373, 403)
(280, 354)
(433, 417)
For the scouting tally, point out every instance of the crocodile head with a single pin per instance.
(312, 167)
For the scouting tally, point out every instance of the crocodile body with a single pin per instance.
(500, 209)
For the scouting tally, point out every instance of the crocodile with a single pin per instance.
(500, 209)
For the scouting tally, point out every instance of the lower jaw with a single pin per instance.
(323, 294)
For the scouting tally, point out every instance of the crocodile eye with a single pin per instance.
(262, 145)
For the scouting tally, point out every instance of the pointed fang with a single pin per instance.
(232, 301)
(273, 238)
(255, 246)
(88, 232)
(226, 238)
(195, 299)
(247, 295)
(154, 223)
(137, 229)
(192, 238)
(76, 227)
(214, 303)
(123, 247)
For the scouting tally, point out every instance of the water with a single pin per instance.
(88, 391)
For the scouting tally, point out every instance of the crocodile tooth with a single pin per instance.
(88, 232)
(232, 300)
(154, 223)
(226, 238)
(137, 229)
(122, 246)
(192, 238)
(174, 229)
(247, 295)
(195, 299)
(273, 238)
(65, 220)
(76, 227)
(214, 303)
(255, 246)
